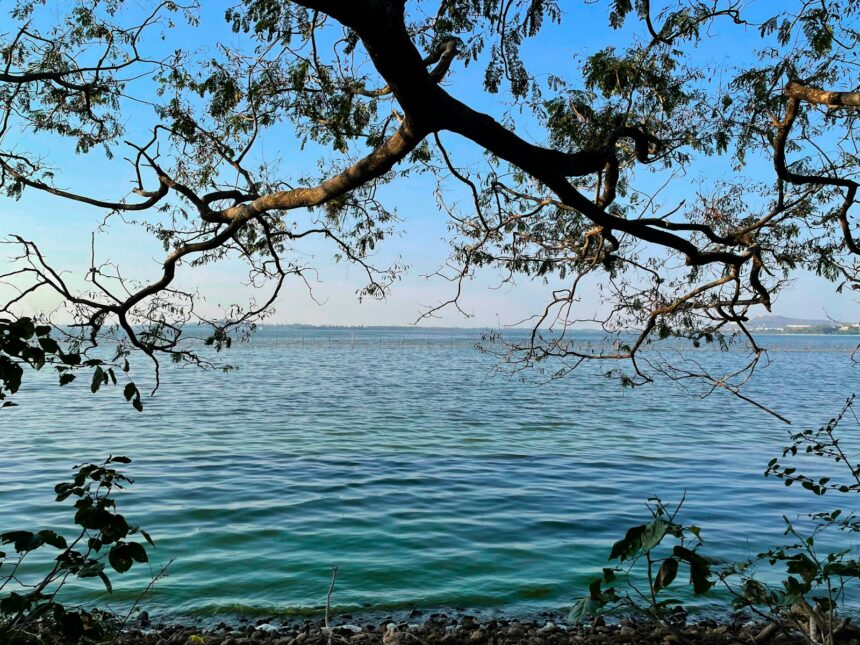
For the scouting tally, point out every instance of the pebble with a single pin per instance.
(469, 622)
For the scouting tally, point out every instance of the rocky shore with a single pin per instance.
(441, 628)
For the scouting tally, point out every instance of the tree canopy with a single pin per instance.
(599, 190)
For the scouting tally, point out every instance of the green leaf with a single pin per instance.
(116, 528)
(119, 558)
(10, 374)
(106, 581)
(639, 539)
(666, 574)
(92, 518)
(627, 546)
(653, 535)
(71, 358)
(23, 328)
(53, 539)
(49, 345)
(63, 491)
(850, 569)
(583, 610)
(66, 378)
(700, 569)
(813, 487)
(98, 379)
(23, 540)
(137, 552)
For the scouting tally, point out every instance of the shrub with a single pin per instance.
(30, 604)
(797, 588)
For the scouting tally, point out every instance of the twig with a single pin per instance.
(328, 602)
(162, 573)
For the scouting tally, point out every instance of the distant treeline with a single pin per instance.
(814, 329)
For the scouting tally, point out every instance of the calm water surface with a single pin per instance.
(399, 456)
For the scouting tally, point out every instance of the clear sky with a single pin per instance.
(64, 229)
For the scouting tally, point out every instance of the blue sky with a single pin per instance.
(64, 229)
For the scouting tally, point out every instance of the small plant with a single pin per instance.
(802, 586)
(30, 605)
(647, 567)
(812, 588)
(823, 443)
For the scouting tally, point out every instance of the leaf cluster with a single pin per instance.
(104, 541)
(644, 559)
(24, 343)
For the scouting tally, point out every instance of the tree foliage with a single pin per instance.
(367, 89)
(25, 344)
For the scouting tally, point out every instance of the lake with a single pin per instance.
(401, 456)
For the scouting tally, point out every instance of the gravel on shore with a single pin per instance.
(441, 628)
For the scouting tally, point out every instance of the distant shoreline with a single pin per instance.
(300, 326)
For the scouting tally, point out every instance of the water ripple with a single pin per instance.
(429, 482)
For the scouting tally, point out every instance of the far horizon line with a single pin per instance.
(520, 326)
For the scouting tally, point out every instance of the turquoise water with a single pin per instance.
(400, 456)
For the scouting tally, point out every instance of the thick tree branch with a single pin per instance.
(797, 90)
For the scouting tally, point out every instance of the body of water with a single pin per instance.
(400, 456)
